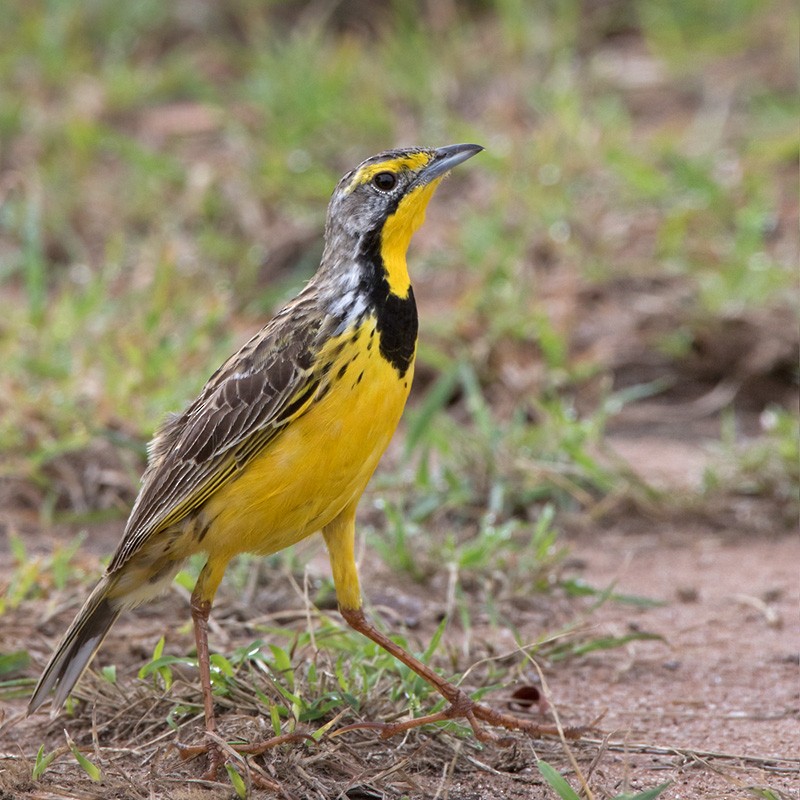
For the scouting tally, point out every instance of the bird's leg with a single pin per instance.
(340, 537)
(200, 612)
(461, 705)
(201, 609)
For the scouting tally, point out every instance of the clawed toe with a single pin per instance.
(258, 748)
(463, 707)
(217, 757)
(210, 747)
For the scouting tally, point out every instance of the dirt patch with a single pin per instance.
(722, 684)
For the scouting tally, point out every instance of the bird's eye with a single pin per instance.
(385, 181)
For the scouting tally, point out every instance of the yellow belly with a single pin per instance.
(319, 464)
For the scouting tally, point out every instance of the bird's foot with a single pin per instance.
(212, 748)
(462, 706)
(220, 752)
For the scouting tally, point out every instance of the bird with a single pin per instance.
(283, 439)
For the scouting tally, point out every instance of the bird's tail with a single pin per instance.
(79, 644)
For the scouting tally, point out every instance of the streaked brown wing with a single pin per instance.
(244, 405)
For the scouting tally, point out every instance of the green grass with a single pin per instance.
(767, 466)
(563, 789)
(31, 576)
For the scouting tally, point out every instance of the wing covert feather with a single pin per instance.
(244, 405)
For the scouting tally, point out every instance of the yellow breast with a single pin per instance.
(322, 460)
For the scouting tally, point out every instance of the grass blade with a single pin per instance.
(556, 781)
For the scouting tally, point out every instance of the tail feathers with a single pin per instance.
(76, 649)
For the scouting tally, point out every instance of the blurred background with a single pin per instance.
(629, 233)
(608, 294)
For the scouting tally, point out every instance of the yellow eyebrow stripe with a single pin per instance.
(411, 162)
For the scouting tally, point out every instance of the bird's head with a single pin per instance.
(382, 202)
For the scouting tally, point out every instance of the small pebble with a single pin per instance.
(687, 594)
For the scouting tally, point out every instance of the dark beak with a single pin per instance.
(445, 158)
